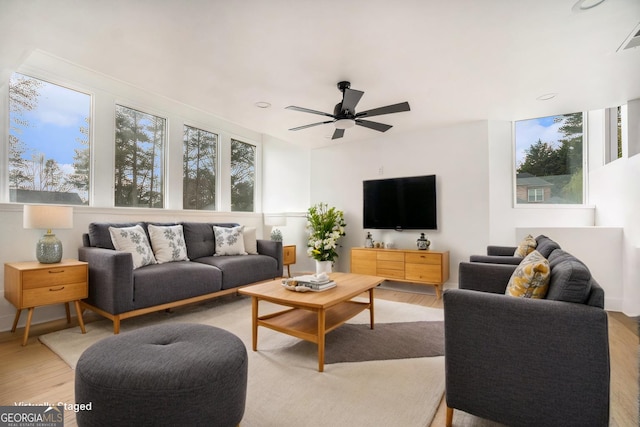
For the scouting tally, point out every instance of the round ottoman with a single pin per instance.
(176, 374)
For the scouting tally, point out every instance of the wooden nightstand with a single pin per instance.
(31, 284)
(289, 257)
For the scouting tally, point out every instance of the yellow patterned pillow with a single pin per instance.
(525, 247)
(531, 278)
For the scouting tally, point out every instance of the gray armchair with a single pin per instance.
(524, 362)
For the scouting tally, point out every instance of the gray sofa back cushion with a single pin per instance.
(546, 246)
(570, 278)
(99, 236)
(200, 239)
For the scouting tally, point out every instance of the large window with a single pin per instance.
(200, 160)
(139, 165)
(549, 160)
(243, 176)
(48, 142)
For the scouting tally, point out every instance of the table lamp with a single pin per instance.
(275, 220)
(49, 247)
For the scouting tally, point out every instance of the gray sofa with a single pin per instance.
(504, 254)
(526, 362)
(118, 291)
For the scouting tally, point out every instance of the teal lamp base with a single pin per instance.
(49, 249)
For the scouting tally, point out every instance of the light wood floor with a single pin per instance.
(34, 374)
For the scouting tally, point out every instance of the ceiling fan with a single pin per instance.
(344, 114)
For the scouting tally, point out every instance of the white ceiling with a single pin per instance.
(452, 60)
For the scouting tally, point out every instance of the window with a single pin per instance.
(200, 156)
(48, 142)
(243, 176)
(139, 166)
(614, 132)
(549, 160)
(535, 195)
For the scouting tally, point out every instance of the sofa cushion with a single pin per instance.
(570, 278)
(168, 282)
(229, 240)
(99, 235)
(525, 247)
(167, 243)
(240, 270)
(250, 240)
(530, 279)
(199, 238)
(133, 240)
(546, 246)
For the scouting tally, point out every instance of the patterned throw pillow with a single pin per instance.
(525, 247)
(133, 240)
(530, 278)
(229, 240)
(168, 243)
(250, 242)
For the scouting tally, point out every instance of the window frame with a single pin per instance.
(218, 166)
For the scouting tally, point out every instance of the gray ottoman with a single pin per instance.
(177, 374)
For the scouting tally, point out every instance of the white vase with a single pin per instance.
(323, 267)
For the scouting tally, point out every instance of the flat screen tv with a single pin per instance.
(400, 203)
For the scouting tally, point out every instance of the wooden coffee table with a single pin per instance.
(311, 314)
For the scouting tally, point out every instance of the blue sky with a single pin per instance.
(528, 132)
(55, 123)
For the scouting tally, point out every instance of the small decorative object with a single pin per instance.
(423, 242)
(49, 247)
(368, 242)
(389, 245)
(325, 226)
(276, 235)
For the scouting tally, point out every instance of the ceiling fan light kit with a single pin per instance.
(344, 114)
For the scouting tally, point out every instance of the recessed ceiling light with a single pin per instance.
(547, 96)
(262, 104)
(582, 5)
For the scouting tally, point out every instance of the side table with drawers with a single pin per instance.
(31, 284)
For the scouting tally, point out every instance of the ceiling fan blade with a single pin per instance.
(350, 99)
(339, 133)
(381, 127)
(395, 108)
(307, 110)
(312, 125)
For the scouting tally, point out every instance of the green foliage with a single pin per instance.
(199, 170)
(325, 226)
(243, 170)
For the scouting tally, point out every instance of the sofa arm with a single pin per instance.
(526, 362)
(273, 249)
(501, 250)
(110, 279)
(492, 278)
(496, 259)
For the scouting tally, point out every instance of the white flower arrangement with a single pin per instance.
(325, 227)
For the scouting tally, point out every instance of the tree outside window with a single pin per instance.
(243, 176)
(139, 166)
(200, 155)
(48, 142)
(549, 160)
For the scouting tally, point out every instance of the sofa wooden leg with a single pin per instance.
(449, 421)
(116, 325)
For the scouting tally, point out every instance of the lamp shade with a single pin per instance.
(47, 217)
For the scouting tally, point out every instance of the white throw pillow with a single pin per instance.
(229, 240)
(133, 240)
(168, 243)
(250, 241)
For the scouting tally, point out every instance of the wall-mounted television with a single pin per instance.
(407, 203)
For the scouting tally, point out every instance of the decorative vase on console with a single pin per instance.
(325, 226)
(423, 243)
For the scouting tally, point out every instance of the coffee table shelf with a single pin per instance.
(303, 323)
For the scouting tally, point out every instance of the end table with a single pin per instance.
(31, 284)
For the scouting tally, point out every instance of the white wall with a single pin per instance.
(457, 155)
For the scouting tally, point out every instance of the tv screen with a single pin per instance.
(400, 203)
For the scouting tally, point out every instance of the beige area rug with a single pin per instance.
(284, 387)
